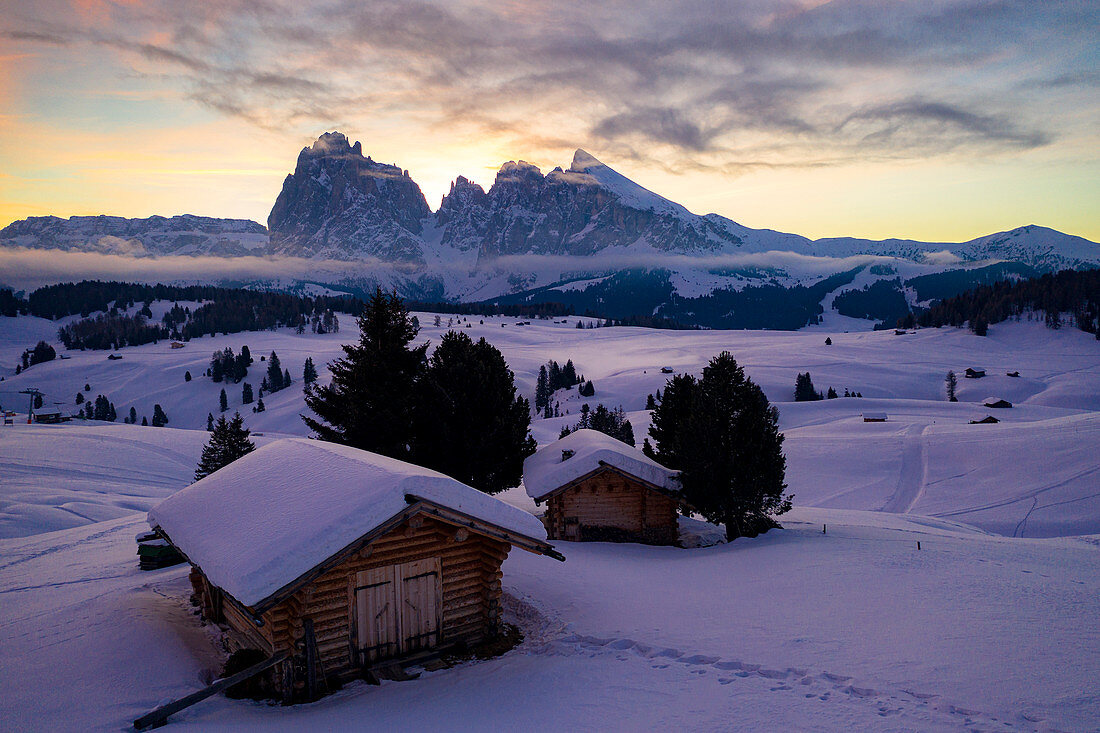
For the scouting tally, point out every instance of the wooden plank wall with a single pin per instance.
(471, 592)
(611, 500)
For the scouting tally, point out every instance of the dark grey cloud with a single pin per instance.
(687, 85)
(952, 125)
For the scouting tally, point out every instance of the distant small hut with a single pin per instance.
(874, 417)
(996, 402)
(987, 420)
(972, 373)
(343, 559)
(666, 370)
(597, 488)
(1012, 374)
(177, 344)
(49, 418)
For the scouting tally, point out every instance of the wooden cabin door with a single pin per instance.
(377, 612)
(421, 603)
(399, 608)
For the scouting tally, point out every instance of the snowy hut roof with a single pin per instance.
(875, 416)
(270, 517)
(549, 469)
(996, 402)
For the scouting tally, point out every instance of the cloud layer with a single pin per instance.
(690, 84)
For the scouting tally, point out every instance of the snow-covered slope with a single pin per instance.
(836, 622)
(926, 459)
(855, 629)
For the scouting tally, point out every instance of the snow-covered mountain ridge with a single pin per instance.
(351, 222)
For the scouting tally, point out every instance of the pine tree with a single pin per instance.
(112, 415)
(260, 405)
(471, 425)
(228, 442)
(586, 417)
(79, 398)
(650, 403)
(587, 389)
(217, 370)
(209, 421)
(274, 373)
(735, 476)
(804, 389)
(286, 378)
(831, 394)
(542, 389)
(367, 403)
(187, 376)
(38, 402)
(309, 372)
(553, 377)
(569, 374)
(951, 382)
(160, 419)
(132, 419)
(87, 387)
(144, 421)
(223, 401)
(828, 341)
(246, 394)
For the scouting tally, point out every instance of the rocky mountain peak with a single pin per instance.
(342, 205)
(583, 161)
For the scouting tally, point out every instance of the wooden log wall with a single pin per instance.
(610, 500)
(471, 600)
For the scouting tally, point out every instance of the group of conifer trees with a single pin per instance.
(456, 412)
(553, 377)
(1076, 292)
(610, 422)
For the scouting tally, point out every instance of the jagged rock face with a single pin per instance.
(340, 205)
(152, 236)
(575, 213)
(463, 215)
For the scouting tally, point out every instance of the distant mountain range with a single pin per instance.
(585, 235)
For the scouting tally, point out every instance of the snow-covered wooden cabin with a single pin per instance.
(996, 402)
(383, 559)
(599, 488)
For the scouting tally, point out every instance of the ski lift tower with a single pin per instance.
(30, 408)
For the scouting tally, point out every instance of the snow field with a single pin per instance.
(1037, 464)
(796, 629)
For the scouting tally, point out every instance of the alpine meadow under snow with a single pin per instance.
(836, 621)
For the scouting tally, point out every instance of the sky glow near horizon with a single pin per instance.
(939, 120)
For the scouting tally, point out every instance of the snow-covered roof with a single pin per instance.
(546, 470)
(994, 401)
(268, 518)
(874, 416)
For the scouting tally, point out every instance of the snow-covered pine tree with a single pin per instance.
(246, 394)
(223, 401)
(160, 418)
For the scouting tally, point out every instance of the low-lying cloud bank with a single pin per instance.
(27, 269)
